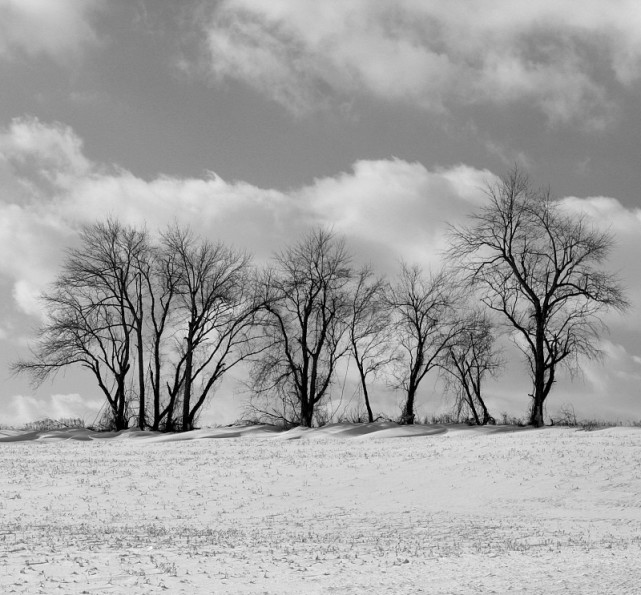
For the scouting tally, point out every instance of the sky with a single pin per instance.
(252, 120)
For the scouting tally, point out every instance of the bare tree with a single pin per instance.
(172, 316)
(424, 319)
(136, 261)
(370, 331)
(470, 357)
(161, 277)
(538, 267)
(307, 302)
(94, 315)
(216, 305)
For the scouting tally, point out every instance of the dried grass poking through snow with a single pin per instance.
(337, 510)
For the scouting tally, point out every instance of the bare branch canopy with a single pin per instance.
(541, 270)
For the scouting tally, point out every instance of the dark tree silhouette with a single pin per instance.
(170, 316)
(94, 316)
(307, 304)
(425, 323)
(370, 329)
(470, 357)
(539, 268)
(161, 277)
(215, 308)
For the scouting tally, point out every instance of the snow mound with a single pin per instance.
(342, 431)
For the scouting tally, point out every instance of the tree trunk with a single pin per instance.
(538, 397)
(170, 420)
(155, 384)
(486, 414)
(536, 414)
(469, 397)
(191, 420)
(477, 419)
(186, 421)
(142, 422)
(306, 414)
(538, 394)
(408, 416)
(120, 423)
(370, 414)
(120, 418)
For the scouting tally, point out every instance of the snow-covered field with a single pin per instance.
(343, 509)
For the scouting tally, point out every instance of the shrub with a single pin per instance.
(512, 420)
(46, 424)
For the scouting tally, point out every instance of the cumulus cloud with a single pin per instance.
(606, 388)
(22, 409)
(395, 209)
(624, 224)
(301, 53)
(389, 208)
(55, 29)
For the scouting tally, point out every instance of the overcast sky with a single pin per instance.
(253, 119)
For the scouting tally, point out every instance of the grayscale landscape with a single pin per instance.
(320, 297)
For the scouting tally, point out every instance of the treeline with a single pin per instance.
(159, 317)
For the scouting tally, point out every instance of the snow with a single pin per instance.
(372, 508)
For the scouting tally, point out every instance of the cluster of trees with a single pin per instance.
(158, 319)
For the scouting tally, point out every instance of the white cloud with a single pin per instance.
(31, 246)
(395, 209)
(624, 224)
(387, 209)
(40, 158)
(23, 409)
(606, 388)
(603, 208)
(27, 297)
(57, 28)
(302, 52)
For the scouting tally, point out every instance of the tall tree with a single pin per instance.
(135, 254)
(424, 319)
(161, 277)
(470, 357)
(172, 316)
(370, 330)
(307, 303)
(94, 315)
(541, 270)
(216, 306)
